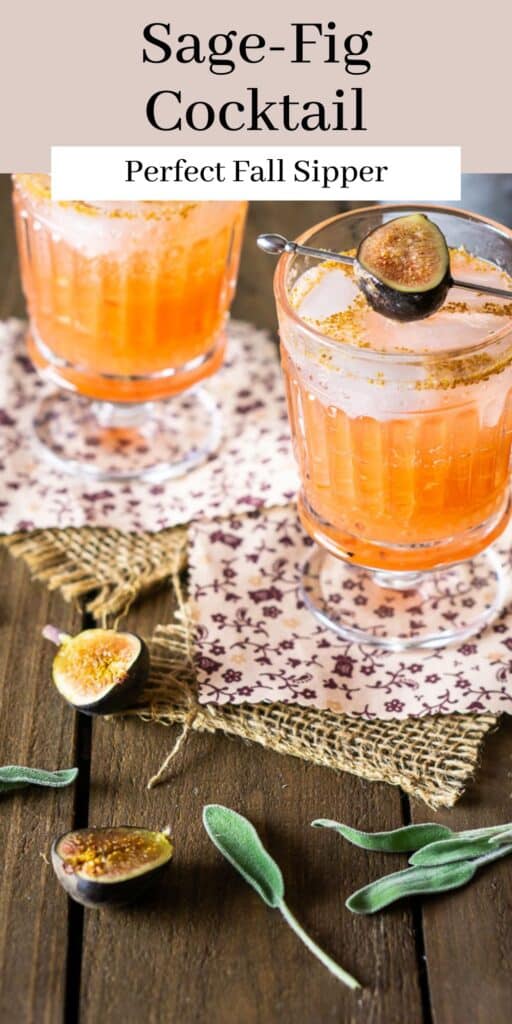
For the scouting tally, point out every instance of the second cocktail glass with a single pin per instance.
(128, 305)
(402, 433)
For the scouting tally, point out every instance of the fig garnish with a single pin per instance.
(403, 268)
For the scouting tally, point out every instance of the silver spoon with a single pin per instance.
(276, 245)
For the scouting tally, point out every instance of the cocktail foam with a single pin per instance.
(120, 228)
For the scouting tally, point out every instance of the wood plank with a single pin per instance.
(205, 948)
(11, 298)
(468, 933)
(36, 728)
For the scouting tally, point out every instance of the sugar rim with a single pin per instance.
(34, 189)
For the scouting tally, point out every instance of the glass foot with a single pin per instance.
(410, 609)
(119, 441)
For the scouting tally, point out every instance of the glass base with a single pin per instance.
(121, 441)
(411, 609)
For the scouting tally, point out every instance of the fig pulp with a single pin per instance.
(403, 268)
(99, 671)
(109, 865)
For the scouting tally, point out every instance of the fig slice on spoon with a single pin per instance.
(403, 268)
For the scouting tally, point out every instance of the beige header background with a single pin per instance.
(72, 73)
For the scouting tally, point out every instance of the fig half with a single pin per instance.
(403, 268)
(100, 866)
(99, 671)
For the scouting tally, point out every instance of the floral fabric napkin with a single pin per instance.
(257, 642)
(252, 468)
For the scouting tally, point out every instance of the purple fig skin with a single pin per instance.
(401, 306)
(96, 894)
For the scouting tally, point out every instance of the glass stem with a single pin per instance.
(122, 415)
(398, 580)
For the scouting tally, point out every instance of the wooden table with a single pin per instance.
(204, 949)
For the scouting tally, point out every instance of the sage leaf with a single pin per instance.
(238, 841)
(241, 845)
(410, 882)
(501, 837)
(489, 830)
(400, 840)
(451, 850)
(420, 881)
(13, 776)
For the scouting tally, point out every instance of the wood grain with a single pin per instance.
(205, 948)
(468, 932)
(36, 729)
(11, 298)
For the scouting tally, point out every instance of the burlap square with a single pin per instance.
(432, 758)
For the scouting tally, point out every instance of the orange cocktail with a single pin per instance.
(126, 290)
(127, 301)
(402, 431)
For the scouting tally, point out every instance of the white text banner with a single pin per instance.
(398, 173)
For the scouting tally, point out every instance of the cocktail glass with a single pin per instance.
(128, 305)
(402, 434)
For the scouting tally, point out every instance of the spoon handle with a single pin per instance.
(320, 254)
(275, 245)
(486, 289)
(326, 254)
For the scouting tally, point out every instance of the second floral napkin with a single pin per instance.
(256, 641)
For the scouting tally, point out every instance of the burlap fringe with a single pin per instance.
(110, 568)
(432, 758)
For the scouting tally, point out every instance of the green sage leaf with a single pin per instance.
(13, 776)
(400, 840)
(410, 882)
(501, 837)
(449, 851)
(241, 845)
